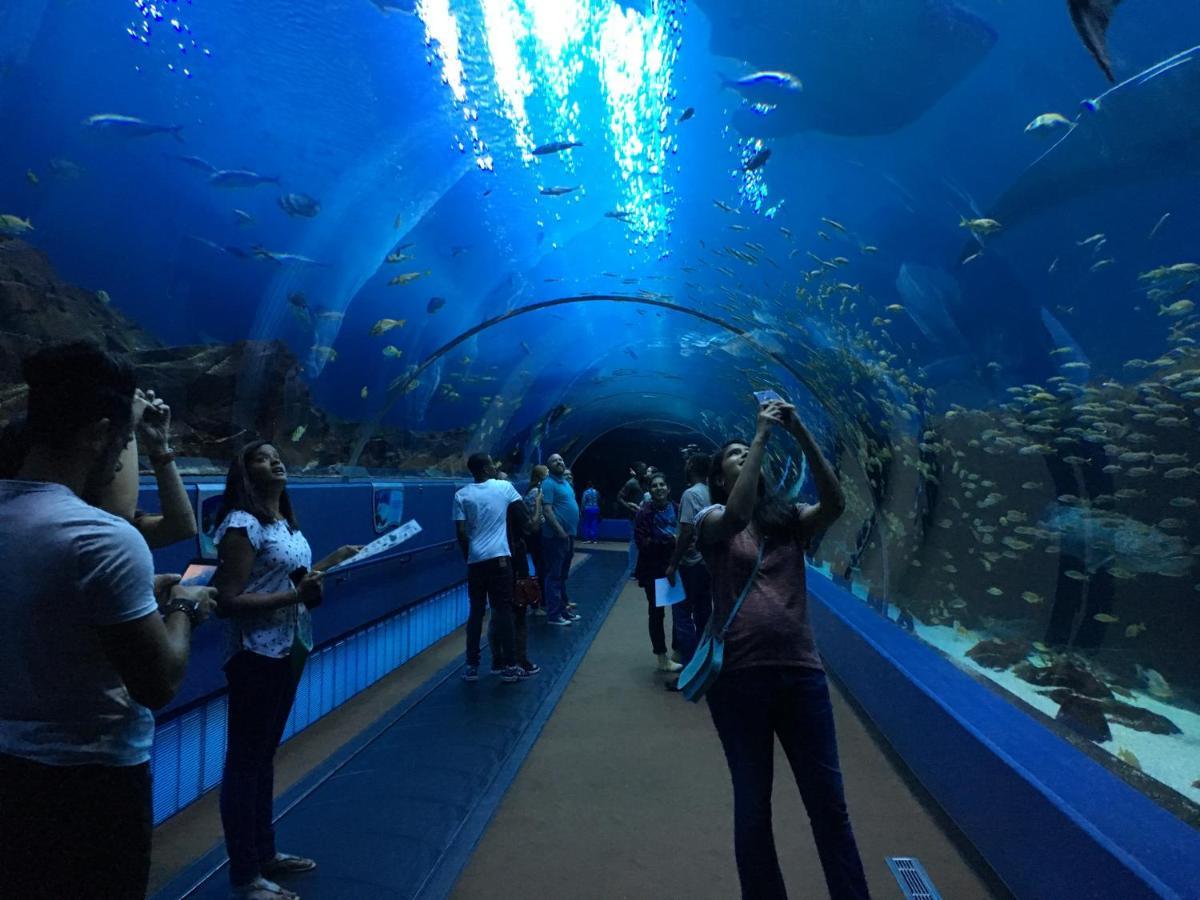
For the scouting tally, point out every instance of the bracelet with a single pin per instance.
(191, 609)
(162, 459)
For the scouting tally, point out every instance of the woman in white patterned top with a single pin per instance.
(266, 589)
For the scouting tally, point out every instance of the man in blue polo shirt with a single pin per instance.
(558, 539)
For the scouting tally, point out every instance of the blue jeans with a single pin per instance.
(691, 615)
(591, 524)
(556, 553)
(749, 708)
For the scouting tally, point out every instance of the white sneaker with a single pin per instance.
(666, 665)
(558, 621)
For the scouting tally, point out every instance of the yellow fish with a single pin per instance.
(392, 352)
(832, 224)
(385, 325)
(1127, 757)
(398, 257)
(326, 353)
(14, 224)
(1178, 308)
(363, 392)
(1048, 122)
(979, 226)
(406, 277)
(299, 433)
(31, 176)
(1106, 618)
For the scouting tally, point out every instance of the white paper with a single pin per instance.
(665, 595)
(393, 538)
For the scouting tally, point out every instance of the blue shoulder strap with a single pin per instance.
(745, 591)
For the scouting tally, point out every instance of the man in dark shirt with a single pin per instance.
(630, 500)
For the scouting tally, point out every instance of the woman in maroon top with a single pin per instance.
(772, 682)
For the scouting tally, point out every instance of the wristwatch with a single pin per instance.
(186, 605)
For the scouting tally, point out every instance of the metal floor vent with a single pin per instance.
(913, 878)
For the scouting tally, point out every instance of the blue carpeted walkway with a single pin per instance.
(397, 812)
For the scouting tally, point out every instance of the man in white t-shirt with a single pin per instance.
(88, 649)
(481, 512)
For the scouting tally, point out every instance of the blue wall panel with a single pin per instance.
(189, 747)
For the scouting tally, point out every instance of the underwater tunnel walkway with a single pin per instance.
(589, 780)
(401, 386)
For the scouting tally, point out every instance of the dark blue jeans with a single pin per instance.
(491, 581)
(556, 553)
(261, 692)
(689, 618)
(750, 707)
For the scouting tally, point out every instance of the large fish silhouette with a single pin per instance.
(1142, 130)
(1091, 18)
(858, 78)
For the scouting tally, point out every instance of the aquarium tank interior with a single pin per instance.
(962, 236)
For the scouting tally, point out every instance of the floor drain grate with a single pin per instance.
(913, 878)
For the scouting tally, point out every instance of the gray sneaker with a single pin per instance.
(558, 621)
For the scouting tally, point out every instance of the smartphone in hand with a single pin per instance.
(765, 397)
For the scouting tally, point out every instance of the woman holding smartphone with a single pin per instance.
(266, 589)
(772, 683)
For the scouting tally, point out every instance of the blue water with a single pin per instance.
(414, 131)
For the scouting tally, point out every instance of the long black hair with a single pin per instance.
(773, 515)
(239, 490)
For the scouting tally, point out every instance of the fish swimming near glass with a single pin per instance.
(240, 178)
(1104, 539)
(195, 162)
(129, 126)
(299, 205)
(555, 147)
